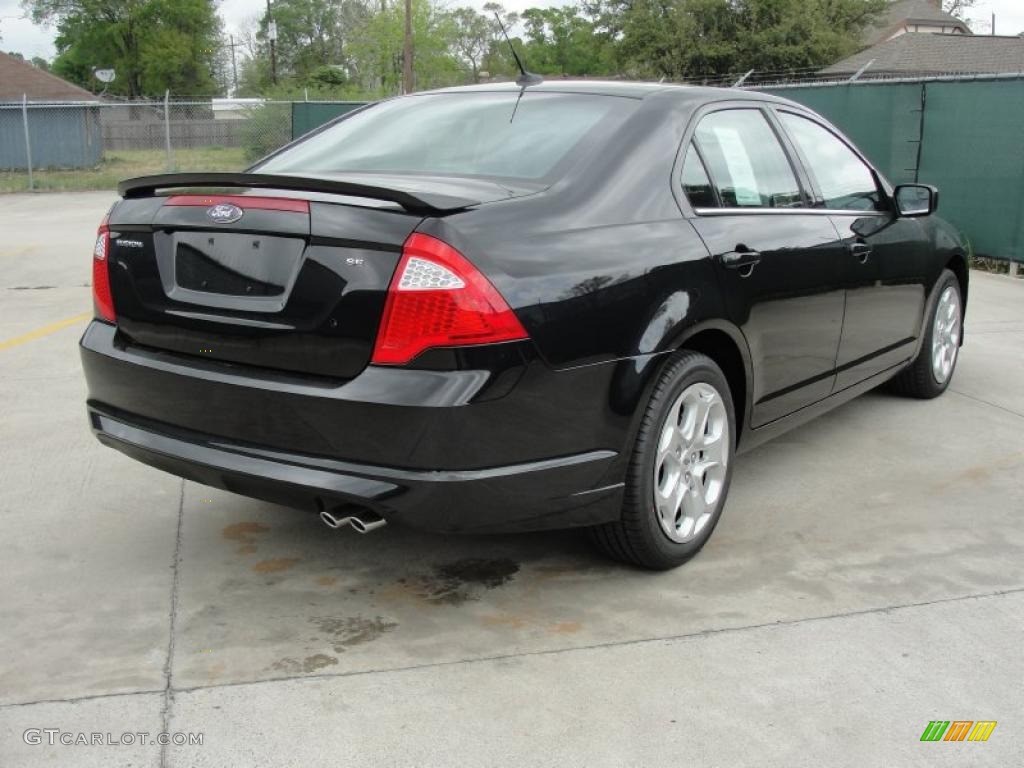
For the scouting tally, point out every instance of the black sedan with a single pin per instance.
(505, 308)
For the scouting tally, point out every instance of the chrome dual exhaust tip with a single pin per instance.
(364, 522)
(332, 520)
(367, 524)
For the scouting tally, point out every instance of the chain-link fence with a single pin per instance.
(961, 133)
(93, 145)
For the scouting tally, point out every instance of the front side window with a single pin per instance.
(846, 183)
(747, 164)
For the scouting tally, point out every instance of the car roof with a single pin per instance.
(624, 88)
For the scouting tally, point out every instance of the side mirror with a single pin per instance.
(914, 200)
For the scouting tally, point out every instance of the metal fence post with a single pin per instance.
(28, 142)
(167, 130)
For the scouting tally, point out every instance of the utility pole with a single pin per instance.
(407, 84)
(385, 65)
(234, 65)
(272, 37)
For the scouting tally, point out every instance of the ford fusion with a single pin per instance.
(505, 308)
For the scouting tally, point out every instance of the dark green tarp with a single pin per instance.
(971, 139)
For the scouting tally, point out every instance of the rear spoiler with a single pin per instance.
(427, 203)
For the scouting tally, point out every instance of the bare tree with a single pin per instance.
(958, 8)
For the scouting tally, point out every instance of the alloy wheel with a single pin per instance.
(690, 466)
(946, 335)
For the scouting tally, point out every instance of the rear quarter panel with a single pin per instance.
(602, 266)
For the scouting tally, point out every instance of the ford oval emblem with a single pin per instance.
(224, 213)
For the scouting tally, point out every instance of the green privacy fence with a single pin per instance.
(307, 115)
(964, 136)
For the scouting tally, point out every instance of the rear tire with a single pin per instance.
(680, 468)
(931, 371)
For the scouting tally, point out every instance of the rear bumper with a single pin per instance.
(228, 428)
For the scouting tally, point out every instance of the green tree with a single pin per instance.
(312, 41)
(154, 45)
(684, 39)
(564, 41)
(472, 35)
(478, 41)
(376, 49)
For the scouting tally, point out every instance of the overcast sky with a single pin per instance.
(20, 35)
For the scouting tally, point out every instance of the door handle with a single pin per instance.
(745, 260)
(862, 251)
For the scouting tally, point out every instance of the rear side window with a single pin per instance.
(696, 183)
(485, 134)
(747, 164)
(846, 183)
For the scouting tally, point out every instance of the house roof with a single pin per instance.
(18, 77)
(921, 53)
(901, 12)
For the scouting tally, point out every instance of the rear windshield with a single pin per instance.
(464, 134)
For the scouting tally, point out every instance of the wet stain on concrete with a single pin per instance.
(344, 632)
(460, 581)
(516, 621)
(478, 571)
(308, 665)
(505, 620)
(243, 533)
(566, 628)
(275, 565)
(572, 570)
(454, 583)
(982, 473)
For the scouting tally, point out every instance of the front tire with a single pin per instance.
(680, 468)
(931, 371)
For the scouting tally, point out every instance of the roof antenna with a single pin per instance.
(525, 78)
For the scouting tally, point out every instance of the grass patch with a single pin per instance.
(124, 164)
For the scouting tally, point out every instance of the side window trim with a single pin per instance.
(707, 169)
(818, 199)
(795, 165)
(812, 192)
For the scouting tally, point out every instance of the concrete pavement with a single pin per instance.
(866, 578)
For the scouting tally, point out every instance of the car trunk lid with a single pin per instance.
(266, 277)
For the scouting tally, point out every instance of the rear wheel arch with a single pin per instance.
(636, 377)
(726, 346)
(957, 264)
(918, 378)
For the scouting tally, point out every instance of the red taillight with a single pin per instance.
(438, 299)
(103, 301)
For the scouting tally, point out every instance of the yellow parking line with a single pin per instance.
(18, 251)
(46, 330)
